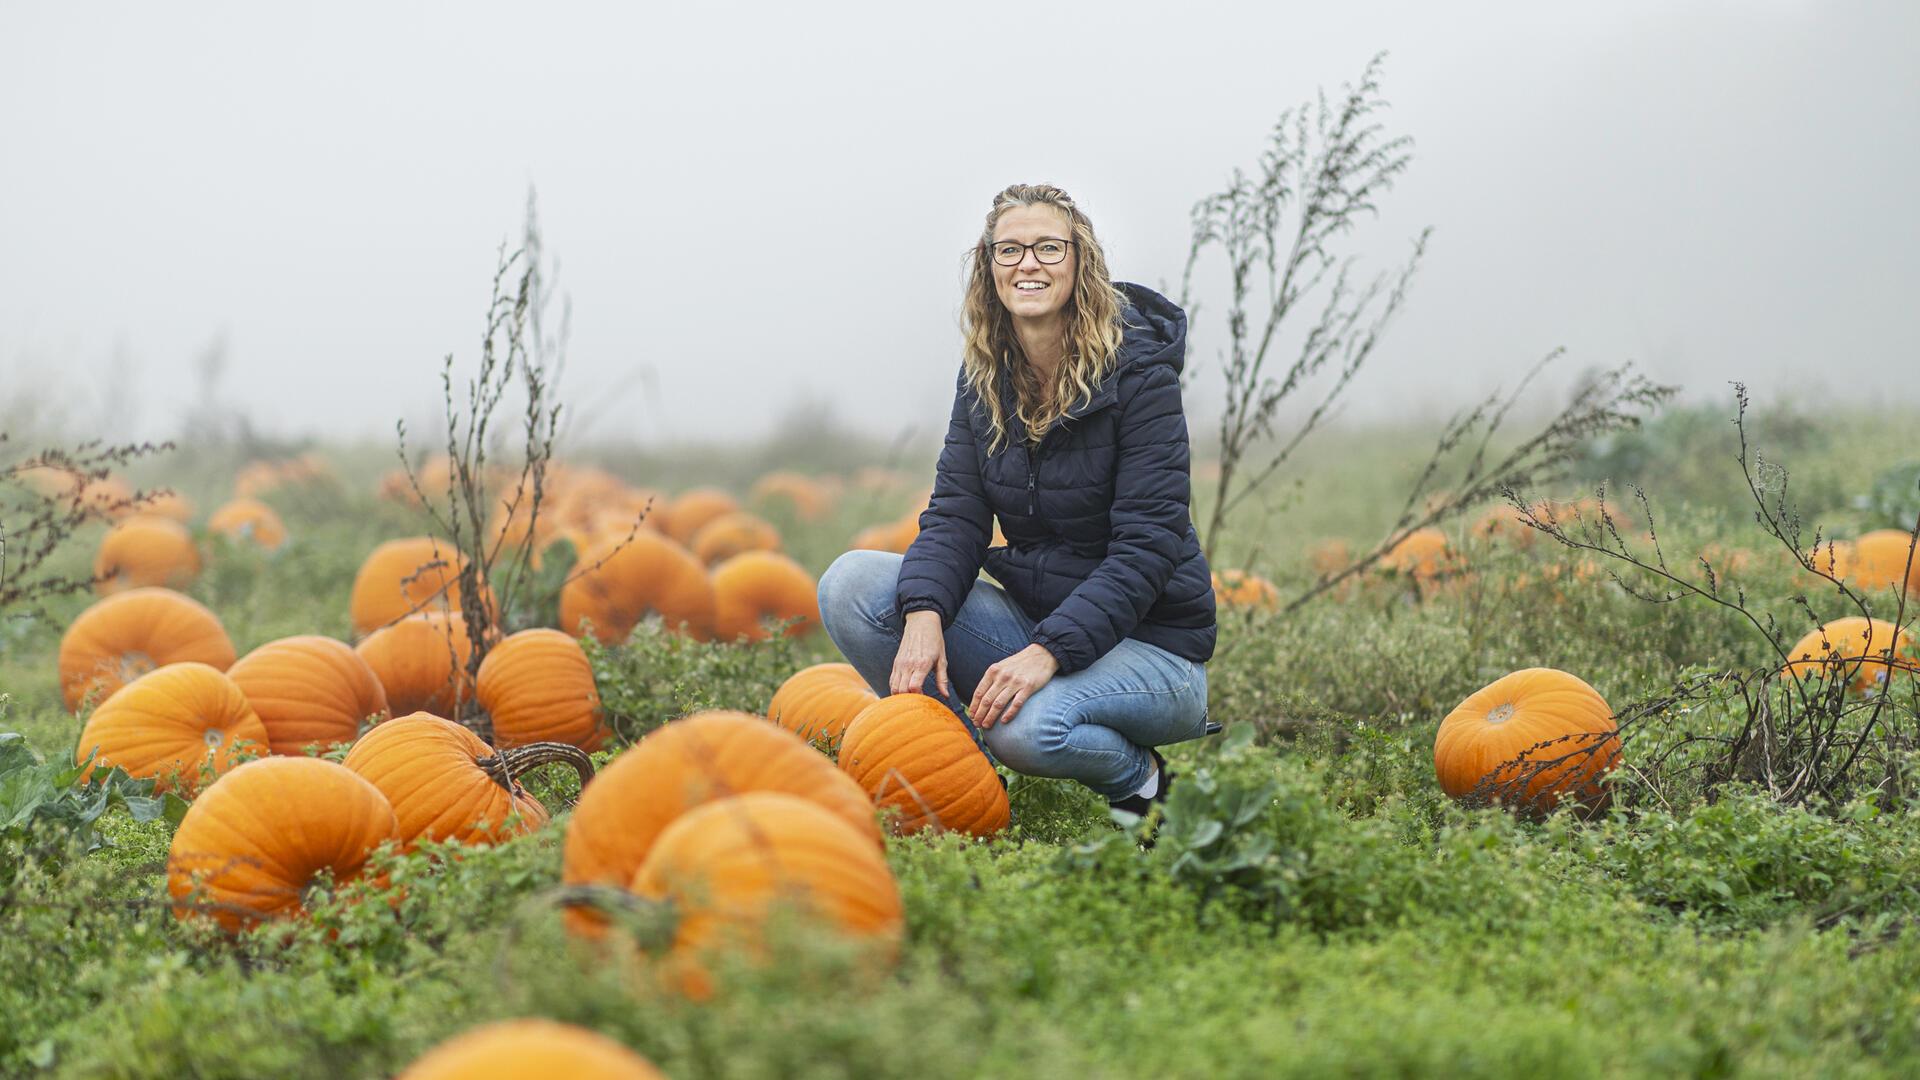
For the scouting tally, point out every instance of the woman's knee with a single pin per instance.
(860, 585)
(1034, 744)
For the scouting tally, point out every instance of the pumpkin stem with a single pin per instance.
(509, 765)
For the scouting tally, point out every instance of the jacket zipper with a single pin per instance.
(1033, 511)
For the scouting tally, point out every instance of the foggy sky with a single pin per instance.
(761, 206)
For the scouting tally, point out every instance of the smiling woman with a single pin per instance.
(1067, 427)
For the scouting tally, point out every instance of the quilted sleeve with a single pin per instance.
(955, 528)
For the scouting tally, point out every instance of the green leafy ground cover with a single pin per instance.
(1314, 905)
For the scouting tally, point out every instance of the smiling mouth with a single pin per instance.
(1029, 286)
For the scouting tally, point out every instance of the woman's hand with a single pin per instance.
(923, 649)
(1008, 684)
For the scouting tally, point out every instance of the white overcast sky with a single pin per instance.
(760, 206)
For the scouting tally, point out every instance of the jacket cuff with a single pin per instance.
(924, 604)
(1060, 654)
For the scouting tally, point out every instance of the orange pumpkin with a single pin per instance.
(446, 783)
(422, 663)
(1880, 561)
(693, 509)
(630, 509)
(145, 551)
(619, 581)
(818, 702)
(706, 756)
(1503, 524)
(1868, 651)
(912, 755)
(762, 584)
(260, 837)
(1422, 555)
(516, 1049)
(309, 691)
(170, 723)
(808, 498)
(1530, 738)
(123, 637)
(1243, 589)
(250, 521)
(416, 575)
(538, 687)
(169, 504)
(1833, 558)
(725, 866)
(895, 536)
(730, 534)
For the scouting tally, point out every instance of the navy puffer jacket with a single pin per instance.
(1100, 545)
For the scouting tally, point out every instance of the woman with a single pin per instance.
(1067, 427)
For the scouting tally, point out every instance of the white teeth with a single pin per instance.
(1030, 286)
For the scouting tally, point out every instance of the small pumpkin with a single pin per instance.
(1422, 555)
(412, 576)
(168, 503)
(260, 837)
(1245, 589)
(1869, 651)
(1531, 738)
(819, 701)
(249, 521)
(1833, 558)
(422, 663)
(756, 585)
(691, 510)
(1880, 561)
(912, 755)
(681, 765)
(619, 581)
(895, 536)
(446, 783)
(170, 723)
(309, 691)
(517, 1049)
(144, 551)
(128, 634)
(730, 534)
(537, 685)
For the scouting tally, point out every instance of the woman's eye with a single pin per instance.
(1049, 248)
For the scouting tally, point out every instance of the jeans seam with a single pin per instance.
(984, 639)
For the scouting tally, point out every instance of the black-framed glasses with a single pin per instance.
(1048, 249)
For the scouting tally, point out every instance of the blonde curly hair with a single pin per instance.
(1093, 325)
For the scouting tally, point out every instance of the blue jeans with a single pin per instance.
(1093, 725)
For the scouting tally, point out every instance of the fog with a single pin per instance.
(760, 210)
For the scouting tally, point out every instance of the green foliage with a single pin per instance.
(655, 676)
(49, 803)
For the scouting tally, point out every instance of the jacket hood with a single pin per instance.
(1156, 329)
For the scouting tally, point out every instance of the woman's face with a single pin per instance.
(1032, 289)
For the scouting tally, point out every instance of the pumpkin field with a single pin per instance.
(1526, 795)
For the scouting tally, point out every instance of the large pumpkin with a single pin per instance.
(706, 756)
(1880, 561)
(618, 581)
(521, 1049)
(416, 575)
(260, 837)
(756, 585)
(1868, 651)
(309, 691)
(422, 663)
(145, 551)
(170, 723)
(123, 637)
(730, 534)
(1531, 739)
(724, 867)
(538, 687)
(446, 783)
(819, 701)
(691, 510)
(912, 755)
(249, 521)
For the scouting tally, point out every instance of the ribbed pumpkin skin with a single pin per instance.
(730, 534)
(693, 509)
(249, 520)
(520, 1049)
(819, 701)
(648, 573)
(309, 690)
(538, 687)
(725, 865)
(761, 584)
(169, 722)
(910, 754)
(421, 663)
(1504, 720)
(1880, 561)
(415, 575)
(427, 768)
(257, 838)
(1850, 638)
(129, 634)
(145, 551)
(686, 763)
